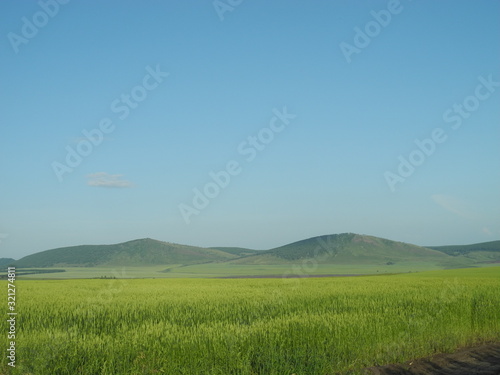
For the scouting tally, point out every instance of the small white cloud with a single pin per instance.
(454, 205)
(103, 179)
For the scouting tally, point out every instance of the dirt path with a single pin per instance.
(479, 360)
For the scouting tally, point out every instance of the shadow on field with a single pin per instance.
(479, 360)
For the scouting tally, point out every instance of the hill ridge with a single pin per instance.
(340, 248)
(144, 251)
(347, 248)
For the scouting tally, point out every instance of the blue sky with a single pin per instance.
(172, 91)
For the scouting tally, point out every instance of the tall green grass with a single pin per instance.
(250, 326)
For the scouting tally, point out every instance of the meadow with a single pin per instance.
(250, 326)
(212, 270)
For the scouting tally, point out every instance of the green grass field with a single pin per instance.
(249, 326)
(210, 270)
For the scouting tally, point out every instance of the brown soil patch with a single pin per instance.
(479, 360)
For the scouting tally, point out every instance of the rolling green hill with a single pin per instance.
(493, 246)
(336, 251)
(239, 251)
(141, 252)
(485, 252)
(350, 248)
(6, 261)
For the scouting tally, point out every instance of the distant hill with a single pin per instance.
(493, 246)
(484, 252)
(339, 249)
(141, 252)
(349, 248)
(6, 261)
(239, 251)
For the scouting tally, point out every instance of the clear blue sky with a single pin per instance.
(354, 105)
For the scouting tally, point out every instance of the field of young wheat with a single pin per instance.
(249, 326)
